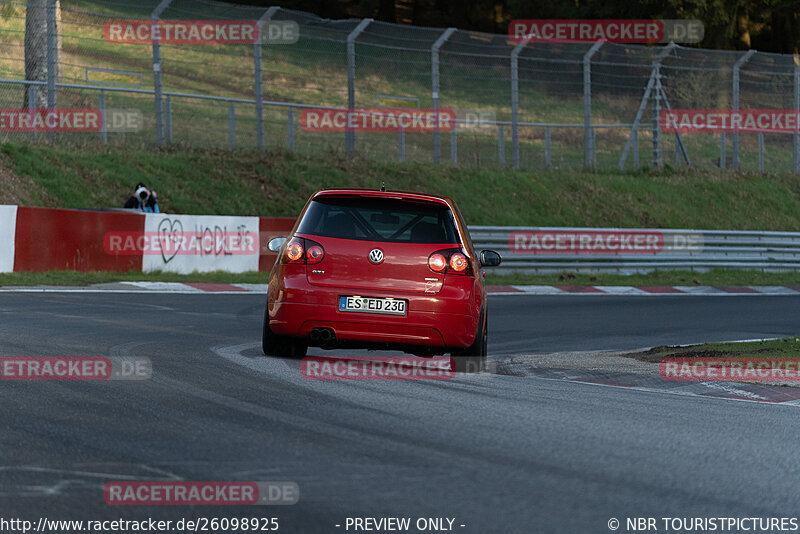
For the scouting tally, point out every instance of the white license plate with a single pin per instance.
(372, 305)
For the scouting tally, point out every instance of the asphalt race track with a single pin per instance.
(497, 453)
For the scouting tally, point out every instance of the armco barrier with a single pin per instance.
(616, 250)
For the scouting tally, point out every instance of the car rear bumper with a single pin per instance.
(445, 319)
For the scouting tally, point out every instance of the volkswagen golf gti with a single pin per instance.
(386, 270)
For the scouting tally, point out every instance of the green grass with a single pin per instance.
(713, 278)
(78, 279)
(278, 183)
(783, 348)
(313, 72)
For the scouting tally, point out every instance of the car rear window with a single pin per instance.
(379, 219)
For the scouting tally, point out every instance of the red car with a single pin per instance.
(379, 270)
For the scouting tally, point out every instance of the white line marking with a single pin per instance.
(794, 403)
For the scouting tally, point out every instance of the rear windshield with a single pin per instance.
(379, 219)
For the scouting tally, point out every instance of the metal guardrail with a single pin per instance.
(689, 250)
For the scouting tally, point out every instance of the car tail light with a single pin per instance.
(437, 262)
(304, 251)
(315, 253)
(458, 262)
(294, 251)
(451, 260)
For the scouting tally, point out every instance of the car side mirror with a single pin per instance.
(276, 243)
(490, 258)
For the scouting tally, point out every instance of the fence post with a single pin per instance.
(32, 104)
(548, 155)
(589, 155)
(501, 146)
(437, 141)
(635, 135)
(101, 104)
(656, 113)
(454, 145)
(52, 61)
(760, 152)
(231, 125)
(401, 145)
(515, 103)
(796, 136)
(291, 129)
(258, 77)
(657, 161)
(651, 86)
(168, 108)
(736, 67)
(722, 149)
(350, 136)
(157, 69)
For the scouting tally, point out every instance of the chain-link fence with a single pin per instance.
(536, 105)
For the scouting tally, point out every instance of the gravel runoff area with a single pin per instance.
(638, 362)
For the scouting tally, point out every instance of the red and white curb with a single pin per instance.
(147, 287)
(197, 287)
(628, 291)
(646, 291)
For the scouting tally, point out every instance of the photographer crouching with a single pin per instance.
(143, 199)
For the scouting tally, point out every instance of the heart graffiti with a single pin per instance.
(170, 234)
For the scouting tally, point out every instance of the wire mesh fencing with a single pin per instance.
(202, 73)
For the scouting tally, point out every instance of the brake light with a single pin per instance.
(451, 260)
(305, 251)
(294, 252)
(437, 262)
(458, 262)
(315, 254)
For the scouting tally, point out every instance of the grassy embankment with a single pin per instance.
(277, 183)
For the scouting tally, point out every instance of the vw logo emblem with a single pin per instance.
(376, 255)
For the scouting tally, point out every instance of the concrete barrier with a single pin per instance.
(43, 239)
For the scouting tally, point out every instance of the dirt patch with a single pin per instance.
(16, 189)
(605, 362)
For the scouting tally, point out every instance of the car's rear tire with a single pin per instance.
(473, 358)
(281, 346)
